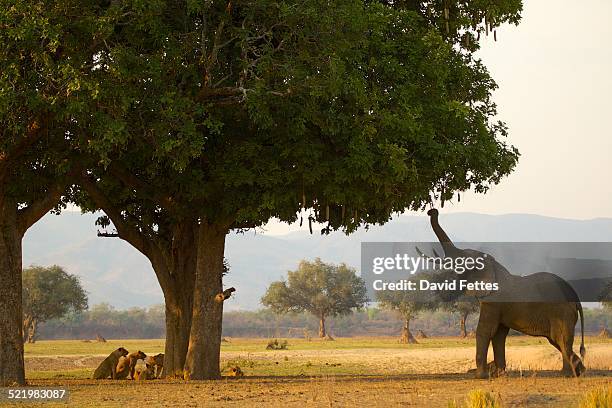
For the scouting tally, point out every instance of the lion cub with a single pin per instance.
(108, 367)
(156, 363)
(144, 372)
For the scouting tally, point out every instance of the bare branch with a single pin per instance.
(107, 234)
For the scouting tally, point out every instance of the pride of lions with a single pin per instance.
(121, 364)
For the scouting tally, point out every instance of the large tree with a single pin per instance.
(220, 115)
(49, 293)
(325, 290)
(42, 78)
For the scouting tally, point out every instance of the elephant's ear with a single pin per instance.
(492, 272)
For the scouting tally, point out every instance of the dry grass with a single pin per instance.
(597, 398)
(345, 372)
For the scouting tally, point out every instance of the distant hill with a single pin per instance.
(113, 272)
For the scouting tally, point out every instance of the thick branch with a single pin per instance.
(134, 182)
(35, 211)
(223, 95)
(125, 230)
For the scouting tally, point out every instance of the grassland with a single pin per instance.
(344, 372)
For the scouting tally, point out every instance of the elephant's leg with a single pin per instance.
(576, 367)
(567, 367)
(499, 348)
(484, 332)
(572, 365)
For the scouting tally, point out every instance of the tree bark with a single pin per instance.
(11, 330)
(203, 355)
(462, 325)
(322, 332)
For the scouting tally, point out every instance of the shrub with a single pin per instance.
(477, 399)
(277, 345)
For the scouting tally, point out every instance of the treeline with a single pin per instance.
(143, 323)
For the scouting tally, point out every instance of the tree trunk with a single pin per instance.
(11, 315)
(175, 268)
(462, 325)
(178, 327)
(407, 336)
(203, 355)
(322, 326)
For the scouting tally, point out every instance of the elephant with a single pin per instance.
(554, 320)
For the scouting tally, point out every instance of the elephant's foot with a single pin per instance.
(496, 370)
(580, 368)
(568, 372)
(482, 374)
(500, 372)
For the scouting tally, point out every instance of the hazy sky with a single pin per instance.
(555, 93)
(554, 72)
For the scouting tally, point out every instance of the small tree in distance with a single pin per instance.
(606, 297)
(48, 293)
(464, 307)
(408, 304)
(321, 289)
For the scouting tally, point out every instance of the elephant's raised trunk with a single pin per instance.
(449, 248)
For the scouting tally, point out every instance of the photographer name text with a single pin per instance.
(424, 285)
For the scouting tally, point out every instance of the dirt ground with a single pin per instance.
(347, 372)
(542, 389)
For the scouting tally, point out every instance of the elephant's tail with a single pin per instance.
(582, 349)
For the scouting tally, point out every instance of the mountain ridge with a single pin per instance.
(114, 272)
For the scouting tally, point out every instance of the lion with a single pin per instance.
(235, 372)
(108, 367)
(126, 364)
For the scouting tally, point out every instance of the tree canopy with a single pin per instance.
(319, 288)
(251, 110)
